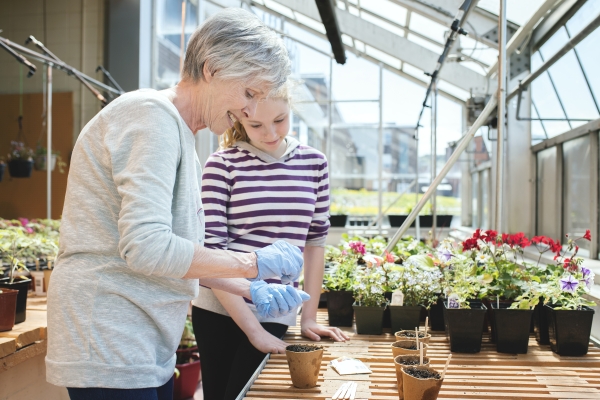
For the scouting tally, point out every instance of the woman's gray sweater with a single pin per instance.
(132, 215)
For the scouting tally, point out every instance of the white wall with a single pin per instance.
(74, 32)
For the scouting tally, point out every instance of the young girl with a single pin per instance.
(260, 187)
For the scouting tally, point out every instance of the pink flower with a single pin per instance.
(389, 257)
(358, 247)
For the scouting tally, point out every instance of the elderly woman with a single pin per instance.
(133, 222)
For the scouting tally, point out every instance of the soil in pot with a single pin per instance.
(540, 323)
(569, 330)
(339, 308)
(22, 286)
(404, 361)
(410, 335)
(436, 315)
(464, 327)
(369, 320)
(407, 347)
(404, 317)
(304, 362)
(421, 383)
(511, 329)
(20, 168)
(8, 307)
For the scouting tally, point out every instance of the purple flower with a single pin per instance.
(445, 255)
(569, 284)
(585, 271)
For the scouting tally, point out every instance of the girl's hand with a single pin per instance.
(265, 342)
(310, 329)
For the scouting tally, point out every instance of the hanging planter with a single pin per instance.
(2, 168)
(40, 163)
(40, 160)
(20, 168)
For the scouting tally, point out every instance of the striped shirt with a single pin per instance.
(252, 199)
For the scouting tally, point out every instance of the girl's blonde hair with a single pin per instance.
(238, 133)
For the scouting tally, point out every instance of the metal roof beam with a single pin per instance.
(554, 21)
(399, 47)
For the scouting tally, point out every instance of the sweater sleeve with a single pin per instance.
(317, 233)
(144, 147)
(216, 190)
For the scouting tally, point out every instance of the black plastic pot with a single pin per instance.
(2, 168)
(510, 329)
(443, 221)
(339, 308)
(426, 221)
(436, 315)
(488, 320)
(405, 317)
(20, 168)
(464, 327)
(338, 220)
(22, 286)
(540, 323)
(369, 320)
(569, 330)
(387, 319)
(396, 220)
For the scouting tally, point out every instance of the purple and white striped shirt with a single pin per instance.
(252, 199)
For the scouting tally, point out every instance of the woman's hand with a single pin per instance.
(314, 331)
(265, 342)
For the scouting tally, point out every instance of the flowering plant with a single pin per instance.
(417, 278)
(368, 286)
(18, 151)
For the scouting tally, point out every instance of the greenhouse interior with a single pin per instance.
(375, 199)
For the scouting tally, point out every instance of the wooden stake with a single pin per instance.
(446, 366)
(426, 323)
(341, 389)
(421, 355)
(417, 336)
(351, 388)
(353, 394)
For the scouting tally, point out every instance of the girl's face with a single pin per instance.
(269, 126)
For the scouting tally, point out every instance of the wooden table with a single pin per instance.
(539, 374)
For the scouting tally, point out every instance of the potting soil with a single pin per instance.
(303, 348)
(414, 361)
(422, 373)
(411, 334)
(412, 347)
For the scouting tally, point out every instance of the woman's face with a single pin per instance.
(228, 101)
(269, 126)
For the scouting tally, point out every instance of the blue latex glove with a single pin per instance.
(274, 300)
(279, 260)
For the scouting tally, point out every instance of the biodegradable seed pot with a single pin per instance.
(421, 383)
(410, 335)
(404, 317)
(404, 361)
(8, 307)
(304, 362)
(407, 347)
(569, 330)
(339, 307)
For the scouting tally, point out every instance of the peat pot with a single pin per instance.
(511, 329)
(8, 307)
(22, 286)
(404, 317)
(569, 330)
(407, 348)
(369, 320)
(410, 335)
(339, 307)
(402, 361)
(416, 388)
(304, 362)
(464, 327)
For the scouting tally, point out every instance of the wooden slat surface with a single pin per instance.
(539, 374)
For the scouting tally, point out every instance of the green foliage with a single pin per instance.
(340, 275)
(368, 286)
(417, 278)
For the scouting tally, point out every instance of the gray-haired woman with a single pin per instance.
(133, 224)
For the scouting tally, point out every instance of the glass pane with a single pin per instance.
(576, 191)
(428, 28)
(517, 11)
(485, 185)
(474, 199)
(399, 105)
(437, 49)
(477, 50)
(345, 84)
(383, 24)
(583, 17)
(572, 88)
(386, 9)
(545, 99)
(548, 215)
(168, 39)
(590, 59)
(555, 43)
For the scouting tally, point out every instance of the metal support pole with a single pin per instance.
(501, 115)
(330, 113)
(434, 157)
(49, 141)
(462, 145)
(417, 190)
(380, 145)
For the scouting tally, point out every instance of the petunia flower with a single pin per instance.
(445, 255)
(569, 284)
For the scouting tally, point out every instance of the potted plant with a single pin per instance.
(568, 311)
(418, 281)
(338, 215)
(20, 160)
(304, 362)
(404, 361)
(338, 281)
(421, 382)
(8, 308)
(187, 367)
(12, 244)
(40, 162)
(370, 302)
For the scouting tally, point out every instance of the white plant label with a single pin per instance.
(453, 301)
(397, 299)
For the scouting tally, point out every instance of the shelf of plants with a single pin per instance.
(515, 328)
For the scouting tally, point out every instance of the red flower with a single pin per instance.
(490, 236)
(516, 240)
(470, 244)
(555, 247)
(477, 234)
(505, 237)
(588, 235)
